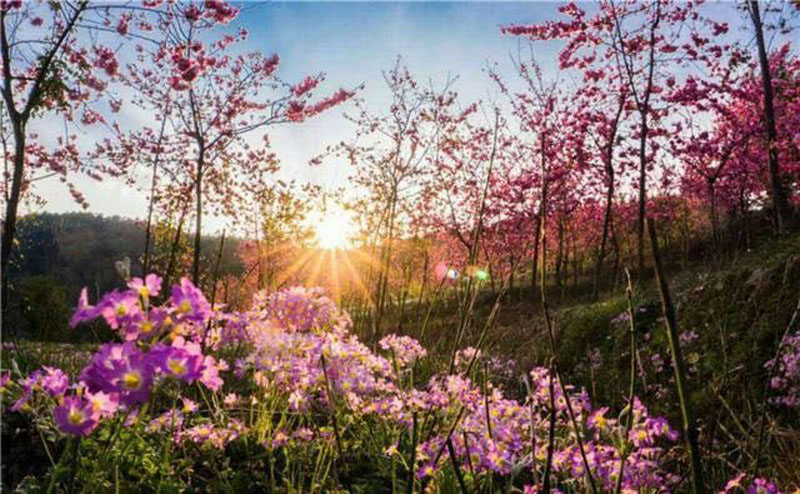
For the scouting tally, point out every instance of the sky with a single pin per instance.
(352, 43)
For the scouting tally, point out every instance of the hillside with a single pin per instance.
(732, 313)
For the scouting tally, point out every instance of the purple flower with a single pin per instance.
(120, 309)
(85, 312)
(103, 404)
(405, 349)
(149, 287)
(298, 309)
(27, 384)
(54, 381)
(121, 369)
(152, 324)
(177, 362)
(427, 470)
(189, 406)
(76, 416)
(761, 486)
(659, 426)
(189, 302)
(733, 484)
(210, 368)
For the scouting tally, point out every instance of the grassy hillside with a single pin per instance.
(731, 311)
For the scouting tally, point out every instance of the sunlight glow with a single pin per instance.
(333, 229)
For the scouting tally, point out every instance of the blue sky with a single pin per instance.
(352, 43)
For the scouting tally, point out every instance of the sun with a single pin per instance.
(333, 228)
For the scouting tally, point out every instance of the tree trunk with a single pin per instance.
(386, 260)
(644, 110)
(19, 120)
(617, 256)
(712, 195)
(535, 259)
(173, 251)
(776, 185)
(560, 252)
(149, 233)
(575, 260)
(606, 226)
(422, 292)
(198, 215)
(10, 224)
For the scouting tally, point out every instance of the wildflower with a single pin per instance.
(303, 434)
(427, 470)
(297, 400)
(298, 309)
(156, 319)
(280, 439)
(85, 312)
(761, 486)
(209, 368)
(103, 404)
(54, 381)
(230, 400)
(189, 303)
(171, 420)
(28, 384)
(597, 419)
(177, 362)
(120, 369)
(786, 382)
(120, 308)
(76, 416)
(210, 376)
(149, 287)
(733, 484)
(405, 349)
(189, 406)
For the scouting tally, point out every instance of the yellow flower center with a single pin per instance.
(184, 307)
(147, 326)
(122, 309)
(132, 380)
(75, 417)
(144, 292)
(176, 367)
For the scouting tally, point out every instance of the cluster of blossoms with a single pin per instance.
(121, 376)
(740, 484)
(309, 365)
(298, 110)
(299, 356)
(786, 380)
(493, 434)
(404, 349)
(298, 309)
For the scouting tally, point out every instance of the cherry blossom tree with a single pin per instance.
(389, 152)
(223, 101)
(57, 62)
(777, 190)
